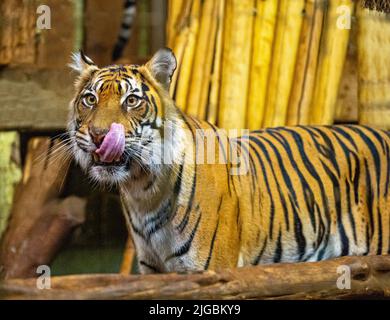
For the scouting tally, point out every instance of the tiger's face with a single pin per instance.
(117, 116)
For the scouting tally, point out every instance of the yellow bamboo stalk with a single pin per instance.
(306, 65)
(174, 11)
(236, 54)
(201, 72)
(204, 97)
(212, 112)
(178, 49)
(264, 29)
(183, 81)
(284, 56)
(374, 68)
(331, 61)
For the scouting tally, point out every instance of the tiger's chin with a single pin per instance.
(109, 174)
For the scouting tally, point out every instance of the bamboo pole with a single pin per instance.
(235, 69)
(183, 81)
(263, 34)
(306, 65)
(179, 49)
(201, 71)
(128, 257)
(174, 11)
(374, 68)
(284, 56)
(180, 40)
(331, 61)
(212, 112)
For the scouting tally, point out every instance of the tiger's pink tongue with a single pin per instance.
(113, 144)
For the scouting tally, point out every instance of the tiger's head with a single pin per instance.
(119, 116)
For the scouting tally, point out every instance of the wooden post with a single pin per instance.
(40, 220)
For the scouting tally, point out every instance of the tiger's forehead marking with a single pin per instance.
(120, 80)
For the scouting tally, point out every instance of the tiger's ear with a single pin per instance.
(162, 66)
(81, 63)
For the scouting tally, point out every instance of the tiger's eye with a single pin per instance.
(132, 101)
(90, 100)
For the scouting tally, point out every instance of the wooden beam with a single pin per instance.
(370, 277)
(35, 99)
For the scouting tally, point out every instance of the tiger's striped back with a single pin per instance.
(311, 193)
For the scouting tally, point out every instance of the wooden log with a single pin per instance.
(369, 277)
(39, 220)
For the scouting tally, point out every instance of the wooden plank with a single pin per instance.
(374, 68)
(32, 99)
(17, 31)
(55, 45)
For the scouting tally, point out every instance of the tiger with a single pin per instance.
(275, 195)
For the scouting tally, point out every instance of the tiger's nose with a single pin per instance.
(97, 135)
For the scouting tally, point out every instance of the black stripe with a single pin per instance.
(153, 268)
(380, 231)
(337, 200)
(349, 210)
(374, 152)
(299, 236)
(160, 219)
(307, 192)
(388, 170)
(328, 150)
(309, 167)
(369, 198)
(179, 179)
(183, 223)
(282, 197)
(187, 245)
(340, 130)
(279, 249)
(212, 241)
(265, 174)
(258, 257)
